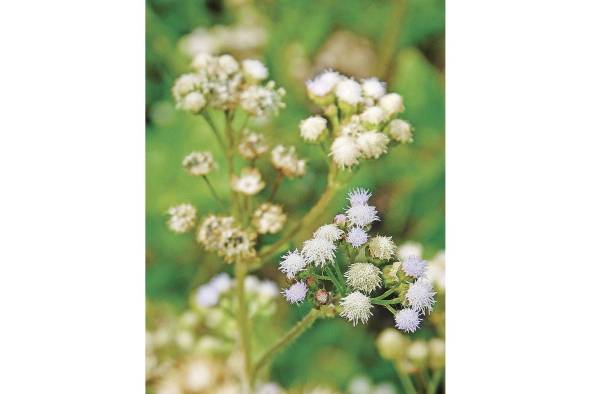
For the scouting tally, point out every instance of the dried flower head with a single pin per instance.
(407, 320)
(319, 251)
(420, 296)
(381, 247)
(210, 231)
(312, 128)
(400, 130)
(199, 163)
(249, 182)
(364, 277)
(182, 218)
(286, 161)
(292, 262)
(345, 151)
(252, 145)
(268, 218)
(362, 215)
(262, 100)
(356, 307)
(296, 293)
(330, 232)
(236, 243)
(372, 144)
(414, 266)
(357, 237)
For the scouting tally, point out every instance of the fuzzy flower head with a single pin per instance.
(364, 277)
(254, 70)
(323, 84)
(358, 197)
(262, 100)
(400, 131)
(292, 263)
(330, 232)
(345, 151)
(199, 163)
(373, 116)
(182, 218)
(407, 320)
(373, 88)
(193, 102)
(362, 215)
(286, 161)
(184, 85)
(420, 296)
(252, 146)
(249, 182)
(319, 251)
(268, 218)
(392, 104)
(357, 237)
(356, 307)
(372, 144)
(414, 266)
(348, 91)
(296, 293)
(312, 128)
(382, 248)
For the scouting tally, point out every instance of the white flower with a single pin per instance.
(349, 91)
(268, 218)
(251, 284)
(360, 385)
(414, 266)
(345, 151)
(296, 293)
(228, 64)
(381, 247)
(287, 162)
(221, 282)
(193, 102)
(199, 163)
(362, 215)
(364, 277)
(373, 88)
(319, 251)
(207, 296)
(249, 182)
(267, 290)
(292, 262)
(262, 100)
(410, 248)
(255, 70)
(202, 61)
(312, 128)
(392, 103)
(330, 232)
(357, 237)
(372, 144)
(436, 270)
(373, 116)
(356, 307)
(400, 130)
(407, 320)
(323, 84)
(358, 196)
(420, 296)
(184, 85)
(252, 145)
(182, 218)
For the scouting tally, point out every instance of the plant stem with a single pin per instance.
(390, 309)
(276, 185)
(391, 39)
(285, 340)
(406, 381)
(386, 302)
(243, 324)
(386, 294)
(212, 190)
(213, 127)
(434, 382)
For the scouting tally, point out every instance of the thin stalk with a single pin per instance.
(213, 192)
(276, 184)
(434, 382)
(339, 273)
(406, 381)
(243, 324)
(386, 294)
(285, 340)
(336, 281)
(390, 309)
(213, 127)
(390, 43)
(386, 302)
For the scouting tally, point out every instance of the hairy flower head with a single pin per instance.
(312, 128)
(392, 103)
(372, 144)
(262, 100)
(373, 88)
(296, 293)
(182, 218)
(357, 237)
(362, 215)
(349, 91)
(364, 277)
(199, 163)
(373, 116)
(330, 232)
(358, 196)
(319, 251)
(345, 151)
(356, 307)
(414, 266)
(420, 296)
(381, 247)
(400, 131)
(285, 160)
(407, 320)
(292, 262)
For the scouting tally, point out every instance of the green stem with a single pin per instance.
(434, 382)
(276, 185)
(212, 190)
(406, 381)
(386, 302)
(213, 127)
(243, 323)
(386, 294)
(335, 281)
(390, 309)
(391, 39)
(285, 340)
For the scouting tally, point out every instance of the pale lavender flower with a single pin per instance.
(407, 320)
(207, 296)
(358, 196)
(420, 296)
(357, 237)
(221, 282)
(414, 266)
(296, 293)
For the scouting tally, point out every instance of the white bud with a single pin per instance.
(255, 70)
(400, 130)
(392, 103)
(312, 128)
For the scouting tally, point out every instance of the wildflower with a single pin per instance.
(321, 296)
(348, 91)
(221, 282)
(420, 296)
(340, 219)
(252, 146)
(357, 237)
(210, 231)
(361, 215)
(400, 130)
(286, 161)
(418, 354)
(319, 251)
(249, 182)
(296, 293)
(323, 84)
(392, 344)
(199, 163)
(292, 262)
(381, 247)
(193, 102)
(407, 320)
(364, 277)
(373, 116)
(262, 100)
(414, 266)
(312, 128)
(353, 127)
(356, 307)
(202, 61)
(236, 243)
(373, 88)
(268, 218)
(358, 196)
(267, 290)
(184, 85)
(392, 104)
(254, 70)
(330, 232)
(207, 296)
(345, 151)
(372, 144)
(182, 218)
(409, 249)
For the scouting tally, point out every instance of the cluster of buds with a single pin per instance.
(223, 235)
(370, 263)
(221, 82)
(360, 120)
(411, 356)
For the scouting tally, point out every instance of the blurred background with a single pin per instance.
(399, 41)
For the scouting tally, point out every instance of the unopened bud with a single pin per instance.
(340, 220)
(391, 273)
(310, 281)
(321, 296)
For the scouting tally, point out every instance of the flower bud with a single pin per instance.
(340, 220)
(391, 273)
(392, 344)
(321, 296)
(312, 128)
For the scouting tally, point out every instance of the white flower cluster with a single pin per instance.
(182, 218)
(363, 118)
(223, 235)
(221, 82)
